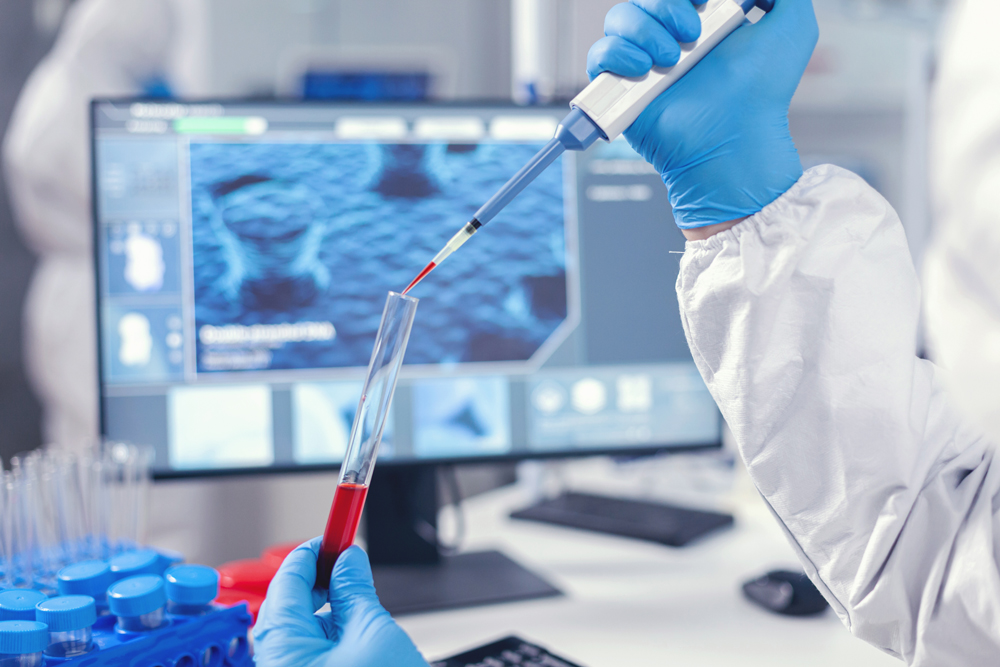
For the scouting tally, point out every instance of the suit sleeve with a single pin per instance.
(803, 321)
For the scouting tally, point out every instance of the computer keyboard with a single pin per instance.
(656, 522)
(508, 652)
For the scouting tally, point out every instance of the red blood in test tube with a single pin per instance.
(341, 527)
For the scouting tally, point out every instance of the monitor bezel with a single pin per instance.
(649, 449)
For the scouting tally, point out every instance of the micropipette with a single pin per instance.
(605, 109)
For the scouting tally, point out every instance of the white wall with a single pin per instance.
(250, 37)
(212, 521)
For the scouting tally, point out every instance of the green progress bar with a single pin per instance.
(221, 125)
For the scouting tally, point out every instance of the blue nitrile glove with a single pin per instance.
(719, 136)
(356, 632)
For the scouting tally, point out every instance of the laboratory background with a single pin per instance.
(204, 204)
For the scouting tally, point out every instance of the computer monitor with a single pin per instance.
(245, 249)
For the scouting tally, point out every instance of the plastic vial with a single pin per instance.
(131, 563)
(139, 603)
(19, 604)
(22, 643)
(169, 558)
(88, 577)
(191, 589)
(70, 619)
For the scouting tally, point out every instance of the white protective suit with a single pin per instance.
(106, 48)
(803, 321)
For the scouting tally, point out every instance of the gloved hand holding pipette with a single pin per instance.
(736, 108)
(356, 632)
(719, 136)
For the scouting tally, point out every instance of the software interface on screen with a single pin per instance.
(245, 252)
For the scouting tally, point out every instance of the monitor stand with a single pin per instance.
(411, 575)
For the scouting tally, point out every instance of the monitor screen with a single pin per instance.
(244, 254)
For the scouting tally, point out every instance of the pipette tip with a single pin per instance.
(420, 276)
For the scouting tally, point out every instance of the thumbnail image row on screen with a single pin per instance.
(225, 426)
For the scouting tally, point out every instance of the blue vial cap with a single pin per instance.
(88, 577)
(67, 613)
(169, 558)
(192, 584)
(136, 596)
(19, 604)
(20, 637)
(131, 563)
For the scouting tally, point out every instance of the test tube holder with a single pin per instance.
(216, 639)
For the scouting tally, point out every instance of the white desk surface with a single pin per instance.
(630, 603)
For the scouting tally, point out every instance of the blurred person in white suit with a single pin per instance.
(104, 48)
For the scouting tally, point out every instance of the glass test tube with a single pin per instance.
(7, 569)
(366, 433)
(22, 504)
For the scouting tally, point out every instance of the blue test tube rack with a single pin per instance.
(216, 639)
(218, 636)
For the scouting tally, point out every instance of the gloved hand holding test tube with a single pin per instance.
(605, 109)
(366, 433)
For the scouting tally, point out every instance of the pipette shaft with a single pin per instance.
(605, 109)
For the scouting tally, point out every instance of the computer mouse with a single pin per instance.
(785, 592)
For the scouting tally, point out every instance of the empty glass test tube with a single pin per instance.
(366, 433)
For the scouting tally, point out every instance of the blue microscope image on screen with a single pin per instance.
(296, 245)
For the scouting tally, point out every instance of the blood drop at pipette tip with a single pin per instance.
(420, 276)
